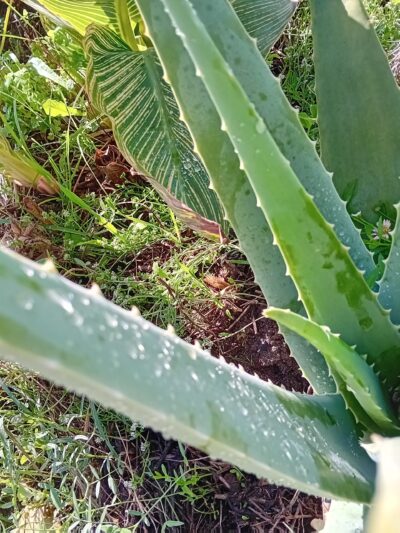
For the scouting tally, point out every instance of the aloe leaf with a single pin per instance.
(358, 106)
(355, 372)
(128, 87)
(264, 20)
(264, 90)
(231, 184)
(389, 286)
(332, 289)
(78, 339)
(79, 14)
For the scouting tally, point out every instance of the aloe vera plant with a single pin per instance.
(306, 253)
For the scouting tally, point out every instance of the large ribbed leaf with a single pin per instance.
(79, 14)
(80, 340)
(333, 290)
(389, 290)
(231, 184)
(358, 106)
(348, 364)
(128, 86)
(264, 19)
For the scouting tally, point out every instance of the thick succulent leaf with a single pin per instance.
(332, 289)
(80, 14)
(264, 91)
(264, 19)
(78, 339)
(231, 184)
(347, 363)
(389, 291)
(358, 106)
(128, 87)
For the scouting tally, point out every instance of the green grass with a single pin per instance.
(77, 465)
(292, 58)
(63, 459)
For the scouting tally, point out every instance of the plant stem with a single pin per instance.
(124, 23)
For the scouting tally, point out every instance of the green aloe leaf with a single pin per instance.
(80, 340)
(358, 106)
(128, 87)
(79, 14)
(347, 363)
(264, 20)
(389, 287)
(231, 184)
(264, 91)
(332, 289)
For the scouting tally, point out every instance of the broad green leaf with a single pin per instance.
(264, 19)
(79, 14)
(347, 363)
(389, 287)
(231, 184)
(129, 88)
(55, 108)
(80, 340)
(358, 106)
(332, 289)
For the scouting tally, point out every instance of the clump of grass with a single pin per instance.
(68, 465)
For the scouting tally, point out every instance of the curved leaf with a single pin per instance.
(129, 88)
(265, 93)
(264, 20)
(332, 289)
(25, 171)
(355, 372)
(358, 106)
(79, 339)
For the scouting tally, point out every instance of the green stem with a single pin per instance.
(124, 23)
(6, 21)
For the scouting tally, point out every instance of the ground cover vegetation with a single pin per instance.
(67, 462)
